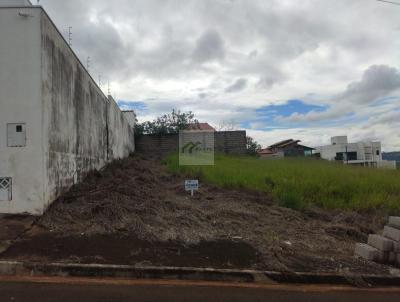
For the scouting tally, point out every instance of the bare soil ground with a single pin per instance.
(135, 212)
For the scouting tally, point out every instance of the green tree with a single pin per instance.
(169, 123)
(252, 146)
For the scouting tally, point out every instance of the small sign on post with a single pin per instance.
(191, 185)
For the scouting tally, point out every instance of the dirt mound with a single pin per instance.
(138, 196)
(135, 204)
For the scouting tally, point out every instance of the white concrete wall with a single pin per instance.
(14, 3)
(337, 140)
(130, 115)
(387, 164)
(120, 132)
(71, 126)
(20, 102)
(362, 148)
(83, 128)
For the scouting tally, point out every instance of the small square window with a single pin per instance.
(18, 128)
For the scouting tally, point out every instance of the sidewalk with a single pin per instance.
(11, 227)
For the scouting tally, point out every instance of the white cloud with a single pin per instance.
(224, 58)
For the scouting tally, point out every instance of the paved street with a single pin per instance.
(60, 290)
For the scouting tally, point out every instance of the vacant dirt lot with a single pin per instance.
(135, 212)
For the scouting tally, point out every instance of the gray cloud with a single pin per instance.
(271, 77)
(209, 47)
(389, 118)
(377, 81)
(238, 85)
(167, 39)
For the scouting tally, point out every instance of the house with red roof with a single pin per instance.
(201, 127)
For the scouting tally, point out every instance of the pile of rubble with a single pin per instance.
(383, 248)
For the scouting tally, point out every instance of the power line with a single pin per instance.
(391, 2)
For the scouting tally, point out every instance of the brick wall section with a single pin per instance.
(159, 145)
(228, 142)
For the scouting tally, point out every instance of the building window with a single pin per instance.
(377, 152)
(5, 189)
(339, 156)
(351, 155)
(16, 135)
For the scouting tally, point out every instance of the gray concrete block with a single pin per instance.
(391, 233)
(382, 257)
(381, 243)
(394, 221)
(366, 251)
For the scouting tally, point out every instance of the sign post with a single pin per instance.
(191, 185)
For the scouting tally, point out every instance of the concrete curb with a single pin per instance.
(11, 268)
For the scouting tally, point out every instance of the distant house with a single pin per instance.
(358, 153)
(201, 127)
(286, 148)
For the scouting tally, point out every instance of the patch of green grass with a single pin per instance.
(300, 182)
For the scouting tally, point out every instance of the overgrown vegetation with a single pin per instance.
(252, 146)
(169, 123)
(299, 183)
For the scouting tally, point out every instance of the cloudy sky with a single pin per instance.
(280, 69)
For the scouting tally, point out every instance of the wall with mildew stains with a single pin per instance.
(72, 127)
(83, 128)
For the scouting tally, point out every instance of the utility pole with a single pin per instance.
(70, 36)
(87, 63)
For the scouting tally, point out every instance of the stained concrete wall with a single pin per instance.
(121, 138)
(71, 126)
(20, 102)
(83, 128)
(130, 115)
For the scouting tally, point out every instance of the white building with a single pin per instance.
(360, 153)
(55, 122)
